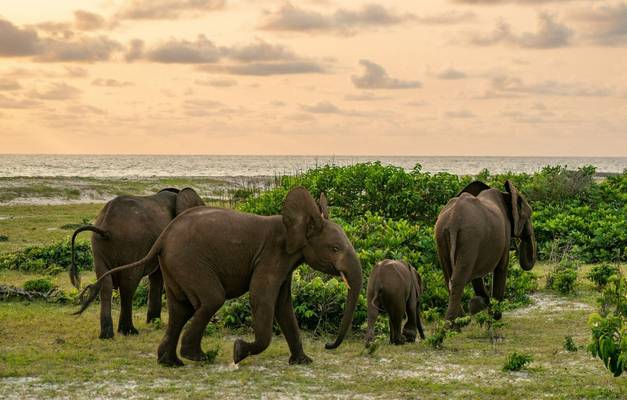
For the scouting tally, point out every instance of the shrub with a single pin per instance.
(140, 298)
(53, 258)
(517, 361)
(212, 353)
(4, 238)
(569, 344)
(42, 285)
(236, 313)
(563, 277)
(601, 273)
(440, 332)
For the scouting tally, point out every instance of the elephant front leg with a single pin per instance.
(262, 300)
(481, 300)
(106, 322)
(498, 285)
(284, 314)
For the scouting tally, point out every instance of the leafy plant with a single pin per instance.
(140, 298)
(563, 277)
(41, 285)
(601, 273)
(569, 344)
(517, 361)
(212, 353)
(53, 258)
(4, 238)
(440, 332)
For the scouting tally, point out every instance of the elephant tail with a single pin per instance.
(88, 295)
(452, 245)
(373, 303)
(74, 273)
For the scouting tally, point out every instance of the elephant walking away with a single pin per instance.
(395, 287)
(210, 255)
(124, 231)
(473, 234)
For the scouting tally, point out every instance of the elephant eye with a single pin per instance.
(335, 248)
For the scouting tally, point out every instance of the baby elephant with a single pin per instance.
(395, 287)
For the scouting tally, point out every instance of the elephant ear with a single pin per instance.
(186, 199)
(474, 188)
(323, 204)
(301, 217)
(520, 209)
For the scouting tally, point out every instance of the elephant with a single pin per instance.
(473, 234)
(124, 231)
(395, 287)
(210, 255)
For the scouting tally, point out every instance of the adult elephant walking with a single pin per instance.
(210, 255)
(473, 234)
(124, 231)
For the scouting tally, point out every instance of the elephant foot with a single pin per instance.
(410, 338)
(497, 315)
(128, 331)
(300, 359)
(398, 342)
(152, 317)
(239, 350)
(194, 355)
(170, 361)
(106, 331)
(477, 304)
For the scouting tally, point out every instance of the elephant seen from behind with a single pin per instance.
(473, 234)
(395, 287)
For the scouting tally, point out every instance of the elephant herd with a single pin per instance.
(207, 255)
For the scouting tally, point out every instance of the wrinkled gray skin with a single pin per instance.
(473, 234)
(124, 231)
(395, 287)
(210, 255)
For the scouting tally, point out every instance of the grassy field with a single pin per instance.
(46, 352)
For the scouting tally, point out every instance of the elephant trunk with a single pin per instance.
(527, 251)
(354, 281)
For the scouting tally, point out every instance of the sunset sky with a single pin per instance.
(406, 77)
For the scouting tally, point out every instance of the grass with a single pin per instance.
(46, 352)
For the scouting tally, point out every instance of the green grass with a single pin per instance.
(46, 352)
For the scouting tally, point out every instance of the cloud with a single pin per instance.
(447, 18)
(110, 83)
(167, 9)
(82, 109)
(82, 49)
(88, 21)
(9, 84)
(200, 51)
(342, 21)
(267, 69)
(605, 25)
(375, 77)
(9, 102)
(325, 107)
(259, 51)
(451, 74)
(217, 82)
(364, 97)
(57, 91)
(511, 85)
(16, 42)
(550, 34)
(460, 114)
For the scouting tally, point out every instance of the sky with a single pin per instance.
(404, 77)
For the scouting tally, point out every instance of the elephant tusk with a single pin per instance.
(345, 280)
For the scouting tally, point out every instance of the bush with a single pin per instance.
(517, 361)
(563, 277)
(140, 298)
(601, 273)
(4, 238)
(42, 285)
(53, 258)
(236, 313)
(609, 328)
(569, 344)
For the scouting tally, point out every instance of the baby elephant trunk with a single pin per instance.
(527, 251)
(352, 273)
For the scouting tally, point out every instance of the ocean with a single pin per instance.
(138, 166)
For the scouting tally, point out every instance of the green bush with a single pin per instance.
(42, 285)
(53, 258)
(563, 277)
(601, 273)
(4, 238)
(569, 344)
(140, 298)
(236, 313)
(517, 361)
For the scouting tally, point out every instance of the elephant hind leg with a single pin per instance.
(106, 292)
(155, 290)
(482, 299)
(179, 312)
(128, 286)
(213, 298)
(409, 330)
(396, 311)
